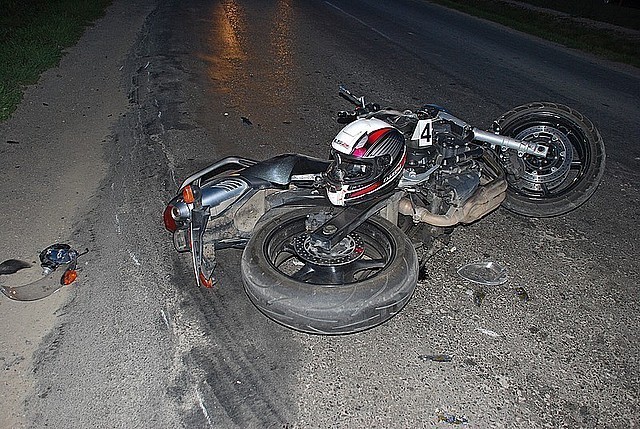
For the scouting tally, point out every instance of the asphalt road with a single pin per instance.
(136, 344)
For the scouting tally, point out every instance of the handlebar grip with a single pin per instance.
(347, 95)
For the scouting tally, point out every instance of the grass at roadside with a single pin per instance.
(596, 10)
(616, 46)
(33, 35)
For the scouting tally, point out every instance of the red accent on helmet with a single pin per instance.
(366, 190)
(377, 135)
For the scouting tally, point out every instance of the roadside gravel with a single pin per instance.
(52, 152)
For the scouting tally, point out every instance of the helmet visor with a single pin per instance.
(349, 170)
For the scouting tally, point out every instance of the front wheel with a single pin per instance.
(570, 173)
(361, 282)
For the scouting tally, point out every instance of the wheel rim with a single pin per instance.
(361, 255)
(564, 166)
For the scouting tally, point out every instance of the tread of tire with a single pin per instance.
(329, 310)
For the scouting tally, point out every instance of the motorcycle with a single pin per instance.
(331, 245)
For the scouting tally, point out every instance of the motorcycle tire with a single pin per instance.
(330, 299)
(570, 173)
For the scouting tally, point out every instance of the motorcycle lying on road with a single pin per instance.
(331, 246)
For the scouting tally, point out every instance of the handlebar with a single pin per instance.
(362, 107)
(347, 95)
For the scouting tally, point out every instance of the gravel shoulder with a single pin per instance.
(52, 150)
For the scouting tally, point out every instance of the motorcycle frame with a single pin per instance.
(296, 181)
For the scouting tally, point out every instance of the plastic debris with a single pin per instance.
(436, 358)
(55, 255)
(488, 332)
(485, 273)
(12, 266)
(246, 121)
(451, 418)
(478, 296)
(522, 294)
(58, 263)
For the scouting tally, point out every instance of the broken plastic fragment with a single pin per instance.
(436, 358)
(55, 255)
(478, 296)
(522, 294)
(58, 263)
(488, 332)
(485, 273)
(451, 418)
(12, 266)
(40, 288)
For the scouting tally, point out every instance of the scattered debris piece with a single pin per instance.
(503, 381)
(436, 358)
(451, 418)
(55, 255)
(522, 294)
(488, 332)
(478, 296)
(54, 260)
(12, 266)
(470, 361)
(485, 273)
(246, 121)
(13, 142)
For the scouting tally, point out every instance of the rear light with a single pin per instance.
(169, 221)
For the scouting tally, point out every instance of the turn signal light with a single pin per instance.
(69, 276)
(188, 195)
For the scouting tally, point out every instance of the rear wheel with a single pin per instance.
(361, 282)
(569, 174)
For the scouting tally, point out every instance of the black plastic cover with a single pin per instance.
(279, 169)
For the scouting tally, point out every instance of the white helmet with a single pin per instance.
(368, 157)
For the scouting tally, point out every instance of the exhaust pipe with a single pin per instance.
(486, 199)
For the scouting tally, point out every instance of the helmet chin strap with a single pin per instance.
(337, 198)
